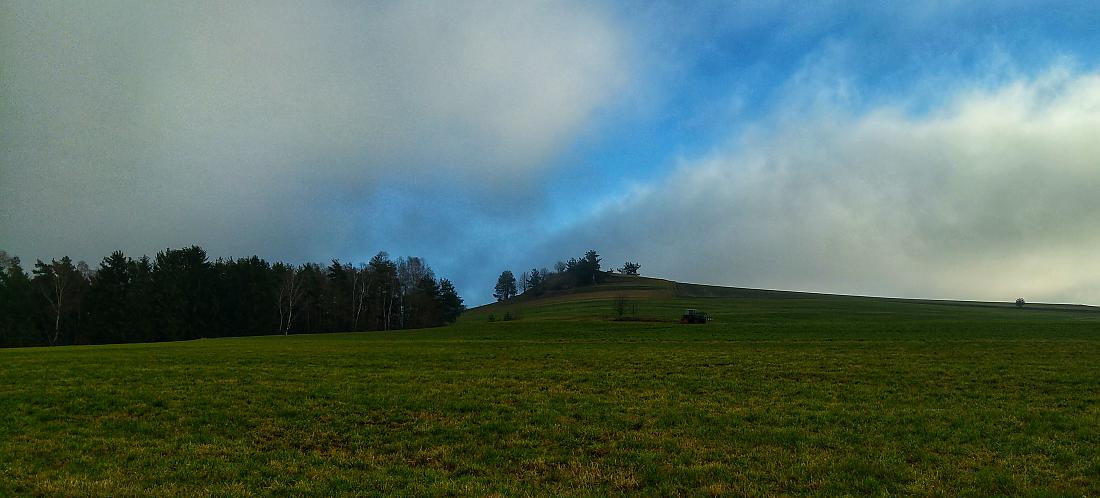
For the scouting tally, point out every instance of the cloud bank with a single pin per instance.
(266, 126)
(830, 146)
(991, 196)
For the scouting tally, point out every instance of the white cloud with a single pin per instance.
(139, 125)
(992, 196)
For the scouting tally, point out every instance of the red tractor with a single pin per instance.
(693, 316)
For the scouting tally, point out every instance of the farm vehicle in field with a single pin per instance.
(693, 316)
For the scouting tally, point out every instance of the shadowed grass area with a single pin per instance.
(798, 394)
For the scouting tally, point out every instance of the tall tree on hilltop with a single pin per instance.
(534, 279)
(586, 270)
(506, 286)
(591, 267)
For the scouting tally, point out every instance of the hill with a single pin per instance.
(782, 393)
(661, 299)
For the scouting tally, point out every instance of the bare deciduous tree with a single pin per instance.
(57, 281)
(290, 292)
(361, 281)
(410, 271)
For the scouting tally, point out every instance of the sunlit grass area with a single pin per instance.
(798, 395)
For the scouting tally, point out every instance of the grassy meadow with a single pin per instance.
(780, 394)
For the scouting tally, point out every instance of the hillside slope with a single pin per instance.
(650, 299)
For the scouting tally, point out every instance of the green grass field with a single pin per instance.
(779, 394)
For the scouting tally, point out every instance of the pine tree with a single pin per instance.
(450, 303)
(506, 286)
(185, 283)
(630, 268)
(17, 321)
(107, 301)
(534, 279)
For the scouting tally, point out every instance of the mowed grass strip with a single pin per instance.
(815, 395)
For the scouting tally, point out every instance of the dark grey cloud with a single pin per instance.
(992, 196)
(268, 126)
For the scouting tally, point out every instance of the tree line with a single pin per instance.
(576, 272)
(180, 294)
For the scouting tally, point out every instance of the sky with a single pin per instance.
(937, 149)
